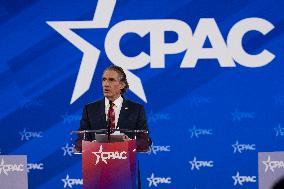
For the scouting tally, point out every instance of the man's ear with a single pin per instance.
(122, 85)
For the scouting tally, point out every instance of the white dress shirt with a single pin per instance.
(117, 107)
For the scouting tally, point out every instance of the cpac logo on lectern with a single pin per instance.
(6, 168)
(104, 156)
(227, 51)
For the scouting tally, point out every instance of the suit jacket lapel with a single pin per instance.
(123, 115)
(102, 116)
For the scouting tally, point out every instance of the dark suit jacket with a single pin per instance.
(132, 116)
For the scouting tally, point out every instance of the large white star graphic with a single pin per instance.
(91, 54)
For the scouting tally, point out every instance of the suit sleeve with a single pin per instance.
(142, 121)
(84, 125)
(84, 122)
(143, 125)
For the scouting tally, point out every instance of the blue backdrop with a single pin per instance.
(207, 122)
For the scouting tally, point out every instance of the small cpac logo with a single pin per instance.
(272, 165)
(26, 135)
(198, 164)
(239, 116)
(154, 117)
(226, 52)
(6, 168)
(197, 132)
(34, 166)
(154, 149)
(158, 180)
(68, 182)
(243, 179)
(243, 147)
(68, 150)
(67, 118)
(104, 156)
(279, 131)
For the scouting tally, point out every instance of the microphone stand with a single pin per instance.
(108, 129)
(109, 122)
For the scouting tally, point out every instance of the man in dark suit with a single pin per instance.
(114, 110)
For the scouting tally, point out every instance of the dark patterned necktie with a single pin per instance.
(111, 115)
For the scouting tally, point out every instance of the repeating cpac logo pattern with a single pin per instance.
(226, 52)
(68, 150)
(68, 182)
(196, 101)
(200, 164)
(154, 117)
(155, 149)
(239, 116)
(155, 181)
(194, 132)
(34, 166)
(240, 180)
(104, 156)
(6, 168)
(272, 165)
(239, 148)
(279, 131)
(27, 135)
(67, 118)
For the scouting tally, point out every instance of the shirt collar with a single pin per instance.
(117, 102)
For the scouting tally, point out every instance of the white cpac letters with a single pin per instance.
(192, 43)
(228, 53)
(158, 47)
(207, 27)
(234, 41)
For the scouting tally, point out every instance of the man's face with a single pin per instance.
(111, 85)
